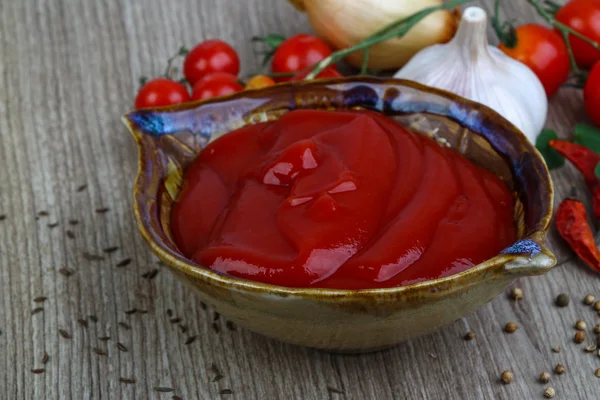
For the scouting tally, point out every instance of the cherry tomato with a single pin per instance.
(584, 17)
(209, 57)
(544, 51)
(259, 82)
(161, 92)
(297, 53)
(591, 94)
(328, 72)
(214, 85)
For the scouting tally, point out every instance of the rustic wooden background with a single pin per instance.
(68, 70)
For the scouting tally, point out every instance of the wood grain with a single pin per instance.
(68, 70)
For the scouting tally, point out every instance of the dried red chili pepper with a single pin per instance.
(586, 161)
(573, 226)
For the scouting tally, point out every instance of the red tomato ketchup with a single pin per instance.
(345, 200)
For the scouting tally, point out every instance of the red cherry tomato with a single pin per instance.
(328, 72)
(297, 53)
(584, 17)
(591, 94)
(161, 92)
(544, 51)
(214, 85)
(209, 57)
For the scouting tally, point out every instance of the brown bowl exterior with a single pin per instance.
(345, 320)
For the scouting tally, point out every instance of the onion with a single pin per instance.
(344, 23)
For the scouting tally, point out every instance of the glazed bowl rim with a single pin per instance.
(187, 267)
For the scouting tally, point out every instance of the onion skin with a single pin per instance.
(344, 23)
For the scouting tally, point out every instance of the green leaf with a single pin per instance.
(551, 156)
(588, 136)
(597, 170)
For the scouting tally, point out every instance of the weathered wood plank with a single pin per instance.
(69, 70)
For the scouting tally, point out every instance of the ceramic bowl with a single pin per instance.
(345, 320)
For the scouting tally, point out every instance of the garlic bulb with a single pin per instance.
(344, 23)
(470, 68)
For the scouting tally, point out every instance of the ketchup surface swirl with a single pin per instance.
(345, 200)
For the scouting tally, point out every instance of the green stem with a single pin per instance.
(572, 60)
(395, 29)
(180, 53)
(365, 62)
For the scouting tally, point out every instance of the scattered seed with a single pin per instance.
(175, 320)
(218, 378)
(53, 225)
(70, 234)
(102, 210)
(556, 349)
(226, 391)
(123, 263)
(579, 337)
(125, 325)
(470, 336)
(510, 327)
(183, 328)
(203, 305)
(132, 311)
(142, 311)
(104, 338)
(45, 358)
(111, 249)
(191, 339)
(128, 380)
(100, 352)
(216, 316)
(73, 222)
(93, 318)
(589, 299)
(559, 369)
(150, 274)
(544, 377)
(516, 294)
(163, 389)
(331, 389)
(40, 299)
(169, 312)
(215, 327)
(83, 322)
(2, 217)
(506, 377)
(580, 326)
(230, 325)
(38, 370)
(590, 348)
(81, 188)
(66, 271)
(562, 300)
(37, 310)
(64, 334)
(175, 397)
(42, 213)
(597, 329)
(549, 392)
(122, 347)
(597, 372)
(597, 305)
(92, 257)
(215, 369)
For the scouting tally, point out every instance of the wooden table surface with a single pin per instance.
(68, 70)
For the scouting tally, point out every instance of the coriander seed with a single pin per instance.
(588, 300)
(506, 377)
(516, 294)
(597, 305)
(597, 373)
(470, 336)
(580, 326)
(562, 300)
(579, 337)
(549, 392)
(510, 327)
(544, 377)
(597, 328)
(559, 369)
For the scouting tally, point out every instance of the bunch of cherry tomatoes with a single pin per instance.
(211, 69)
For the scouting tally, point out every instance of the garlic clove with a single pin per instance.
(469, 67)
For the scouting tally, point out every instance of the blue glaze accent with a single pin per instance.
(361, 96)
(149, 123)
(525, 246)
